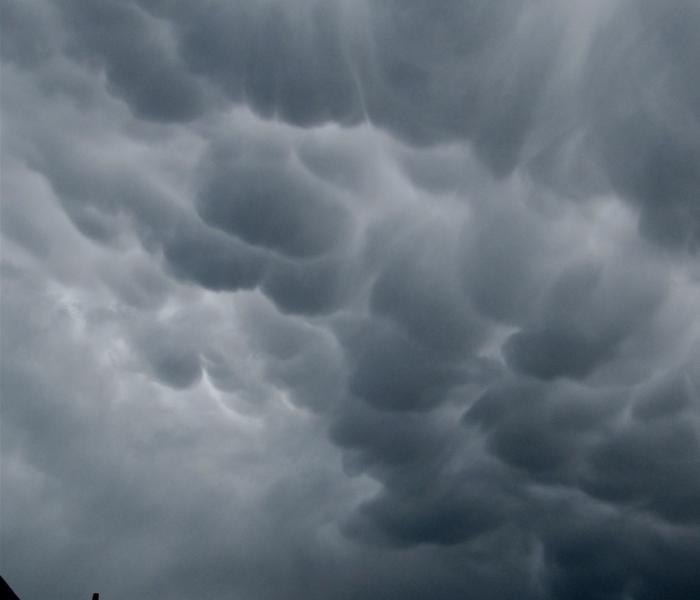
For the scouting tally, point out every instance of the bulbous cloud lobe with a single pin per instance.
(332, 299)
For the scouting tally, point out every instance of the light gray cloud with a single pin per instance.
(350, 300)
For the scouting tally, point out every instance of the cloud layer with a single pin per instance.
(376, 299)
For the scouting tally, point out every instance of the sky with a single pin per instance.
(350, 299)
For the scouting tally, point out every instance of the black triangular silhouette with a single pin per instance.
(6, 591)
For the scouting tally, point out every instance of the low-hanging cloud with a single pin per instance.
(390, 299)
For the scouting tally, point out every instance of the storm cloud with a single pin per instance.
(332, 299)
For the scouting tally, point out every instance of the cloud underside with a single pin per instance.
(377, 299)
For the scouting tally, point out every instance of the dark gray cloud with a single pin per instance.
(419, 290)
(263, 199)
(119, 36)
(215, 261)
(389, 299)
(586, 315)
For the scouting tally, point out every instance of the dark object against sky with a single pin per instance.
(6, 591)
(350, 299)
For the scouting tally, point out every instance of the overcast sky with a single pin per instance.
(351, 299)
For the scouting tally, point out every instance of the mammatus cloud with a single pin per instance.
(369, 299)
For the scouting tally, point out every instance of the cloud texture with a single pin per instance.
(330, 299)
